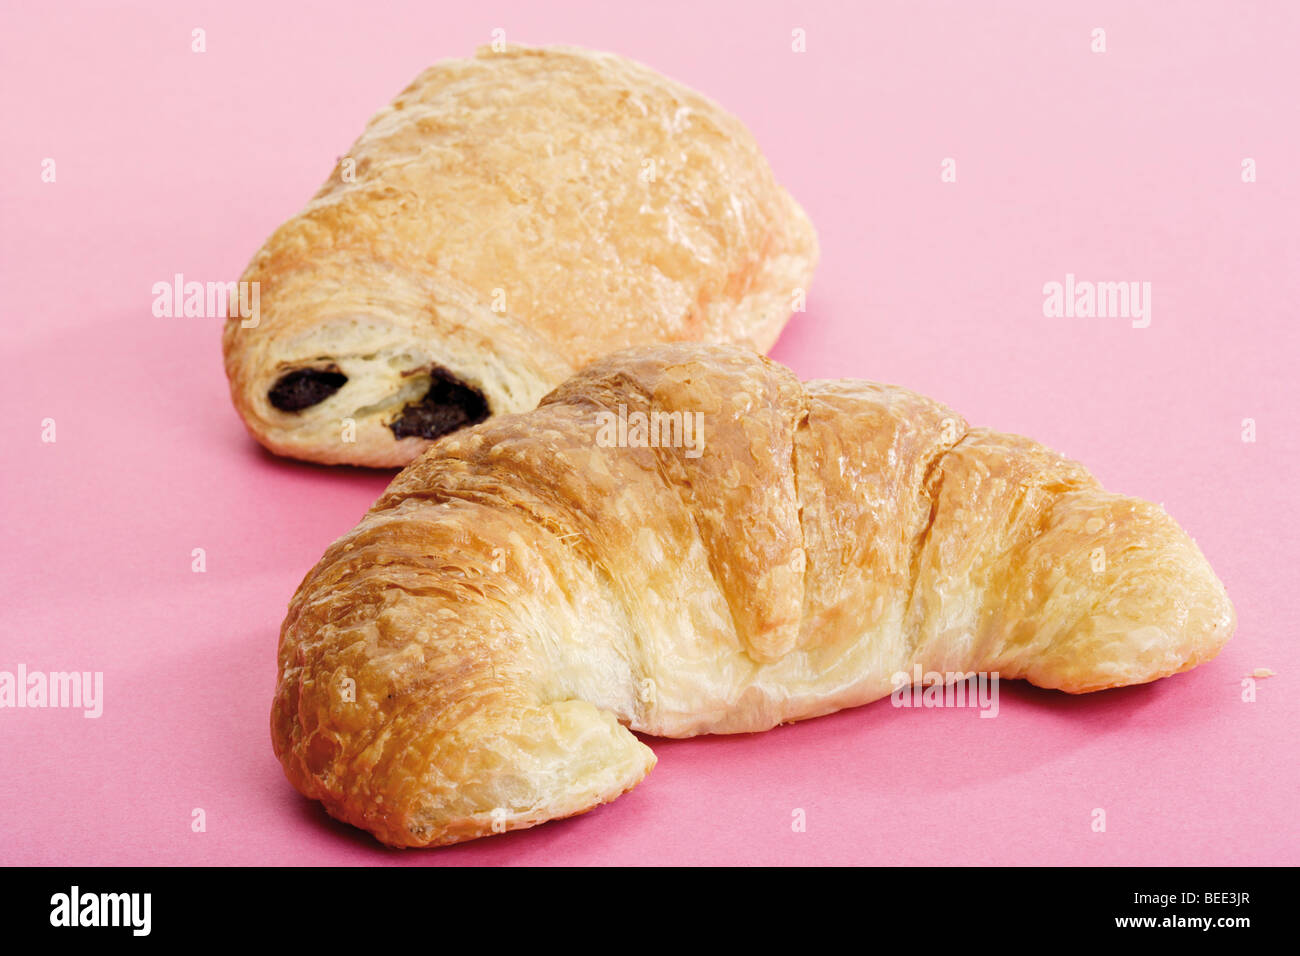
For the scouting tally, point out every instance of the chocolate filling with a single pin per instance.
(305, 387)
(449, 404)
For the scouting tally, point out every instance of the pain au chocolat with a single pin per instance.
(504, 221)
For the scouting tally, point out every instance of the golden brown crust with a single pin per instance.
(509, 218)
(523, 593)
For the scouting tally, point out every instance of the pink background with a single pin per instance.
(1123, 165)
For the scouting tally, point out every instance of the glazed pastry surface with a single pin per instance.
(505, 220)
(475, 654)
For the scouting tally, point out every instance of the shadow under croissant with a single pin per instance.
(514, 846)
(860, 735)
(899, 749)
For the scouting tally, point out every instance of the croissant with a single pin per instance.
(684, 540)
(504, 221)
